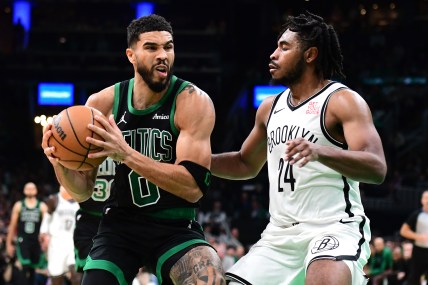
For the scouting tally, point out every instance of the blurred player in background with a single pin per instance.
(90, 211)
(319, 140)
(56, 237)
(23, 232)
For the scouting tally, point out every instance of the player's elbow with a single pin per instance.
(193, 195)
(380, 174)
(375, 172)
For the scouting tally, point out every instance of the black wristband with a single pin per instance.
(201, 174)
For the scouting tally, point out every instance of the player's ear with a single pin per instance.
(311, 54)
(130, 55)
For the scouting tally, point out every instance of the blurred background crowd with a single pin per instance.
(223, 47)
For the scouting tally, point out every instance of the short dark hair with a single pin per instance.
(146, 24)
(314, 32)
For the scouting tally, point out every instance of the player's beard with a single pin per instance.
(294, 74)
(147, 75)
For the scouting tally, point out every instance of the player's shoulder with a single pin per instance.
(18, 205)
(43, 206)
(102, 100)
(192, 90)
(193, 97)
(266, 105)
(344, 97)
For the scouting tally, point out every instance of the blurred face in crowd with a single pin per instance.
(30, 190)
(379, 244)
(424, 200)
(153, 58)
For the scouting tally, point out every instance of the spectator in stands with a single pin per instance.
(217, 219)
(380, 263)
(234, 242)
(398, 272)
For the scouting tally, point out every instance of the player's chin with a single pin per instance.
(273, 72)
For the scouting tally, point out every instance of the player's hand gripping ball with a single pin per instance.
(69, 132)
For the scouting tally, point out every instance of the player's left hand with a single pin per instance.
(114, 145)
(300, 151)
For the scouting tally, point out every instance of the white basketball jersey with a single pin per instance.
(63, 218)
(313, 193)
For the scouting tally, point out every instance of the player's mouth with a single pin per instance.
(272, 67)
(162, 70)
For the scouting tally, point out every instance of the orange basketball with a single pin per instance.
(69, 132)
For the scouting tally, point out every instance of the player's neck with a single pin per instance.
(30, 201)
(143, 97)
(304, 90)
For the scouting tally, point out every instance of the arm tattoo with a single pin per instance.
(191, 88)
(201, 266)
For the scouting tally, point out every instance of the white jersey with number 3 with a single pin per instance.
(313, 193)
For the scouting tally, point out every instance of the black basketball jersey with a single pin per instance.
(102, 189)
(153, 133)
(29, 221)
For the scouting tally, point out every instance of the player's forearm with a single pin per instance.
(79, 184)
(408, 234)
(9, 239)
(11, 233)
(361, 166)
(231, 166)
(170, 177)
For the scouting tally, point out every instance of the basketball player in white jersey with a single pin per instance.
(319, 141)
(56, 235)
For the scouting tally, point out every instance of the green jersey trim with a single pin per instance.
(25, 261)
(80, 263)
(106, 265)
(23, 204)
(116, 100)
(164, 257)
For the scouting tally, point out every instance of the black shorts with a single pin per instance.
(28, 252)
(126, 242)
(84, 232)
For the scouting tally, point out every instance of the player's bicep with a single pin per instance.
(102, 101)
(195, 149)
(358, 128)
(195, 118)
(15, 214)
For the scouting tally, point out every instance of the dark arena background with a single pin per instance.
(224, 48)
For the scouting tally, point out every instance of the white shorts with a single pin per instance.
(60, 256)
(282, 255)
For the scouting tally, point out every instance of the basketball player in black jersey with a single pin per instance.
(158, 128)
(25, 222)
(88, 216)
